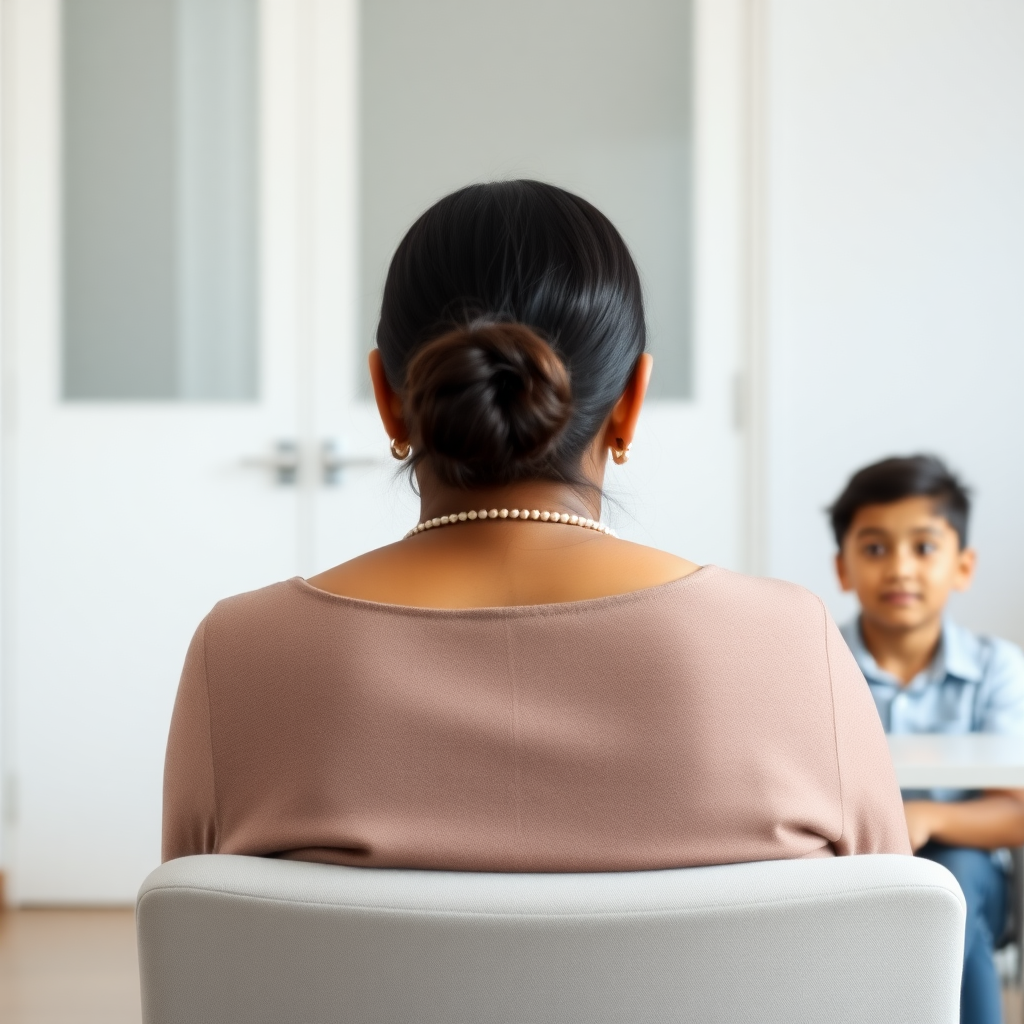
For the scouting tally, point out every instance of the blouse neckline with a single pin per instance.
(505, 611)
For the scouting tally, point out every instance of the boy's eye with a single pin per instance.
(927, 547)
(874, 550)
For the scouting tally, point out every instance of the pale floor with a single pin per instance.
(1013, 1007)
(68, 967)
(80, 967)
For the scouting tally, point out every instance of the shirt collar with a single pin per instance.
(959, 655)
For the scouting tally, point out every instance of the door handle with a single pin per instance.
(332, 463)
(283, 462)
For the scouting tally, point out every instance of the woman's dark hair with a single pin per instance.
(511, 322)
(893, 479)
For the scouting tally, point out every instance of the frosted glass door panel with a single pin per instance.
(160, 199)
(593, 95)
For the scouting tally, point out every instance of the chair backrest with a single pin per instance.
(855, 939)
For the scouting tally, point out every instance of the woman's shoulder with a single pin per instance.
(281, 602)
(272, 594)
(737, 587)
(752, 603)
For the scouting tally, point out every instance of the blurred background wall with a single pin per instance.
(895, 270)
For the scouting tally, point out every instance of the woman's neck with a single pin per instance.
(504, 562)
(436, 499)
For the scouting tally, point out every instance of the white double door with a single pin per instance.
(123, 521)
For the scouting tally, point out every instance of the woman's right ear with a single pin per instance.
(389, 405)
(625, 414)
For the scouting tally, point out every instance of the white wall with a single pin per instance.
(895, 266)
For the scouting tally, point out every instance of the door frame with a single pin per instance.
(753, 394)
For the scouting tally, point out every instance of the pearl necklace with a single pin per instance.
(515, 513)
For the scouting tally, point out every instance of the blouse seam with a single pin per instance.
(835, 727)
(209, 730)
(510, 669)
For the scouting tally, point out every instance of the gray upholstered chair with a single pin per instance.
(245, 940)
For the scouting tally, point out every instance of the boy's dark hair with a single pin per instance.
(893, 479)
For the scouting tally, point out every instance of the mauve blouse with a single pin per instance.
(713, 719)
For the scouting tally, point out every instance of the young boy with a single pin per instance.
(901, 529)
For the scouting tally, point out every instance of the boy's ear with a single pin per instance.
(966, 563)
(842, 574)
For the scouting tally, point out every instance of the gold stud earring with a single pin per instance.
(620, 454)
(400, 449)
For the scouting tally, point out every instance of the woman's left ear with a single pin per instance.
(389, 405)
(626, 413)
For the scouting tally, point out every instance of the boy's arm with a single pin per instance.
(988, 823)
(997, 818)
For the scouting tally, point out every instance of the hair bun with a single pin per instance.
(487, 404)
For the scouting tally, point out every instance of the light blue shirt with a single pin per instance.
(974, 684)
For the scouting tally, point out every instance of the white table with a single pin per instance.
(975, 761)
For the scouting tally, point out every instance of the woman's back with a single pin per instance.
(518, 689)
(712, 719)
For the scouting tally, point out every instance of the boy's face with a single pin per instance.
(902, 560)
